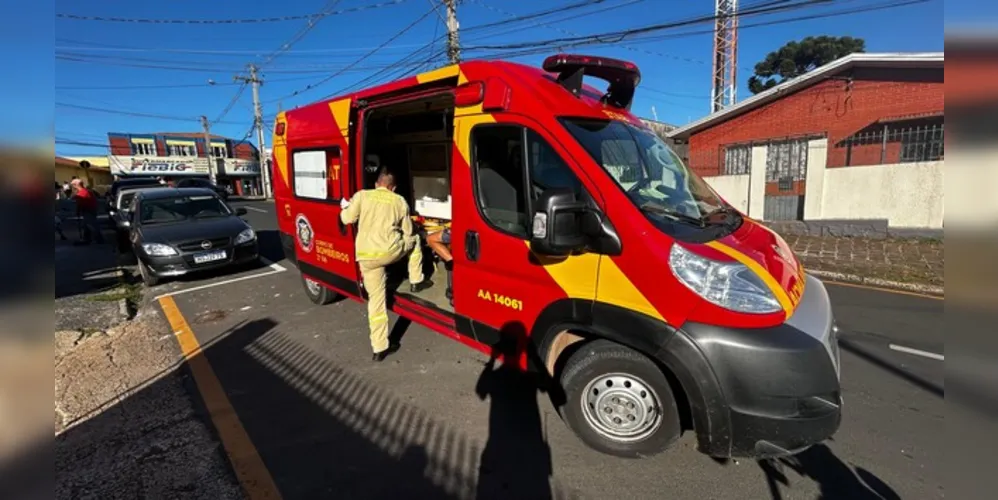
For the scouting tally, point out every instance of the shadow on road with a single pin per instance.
(516, 461)
(835, 479)
(325, 432)
(879, 362)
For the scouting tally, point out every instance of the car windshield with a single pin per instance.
(181, 208)
(647, 169)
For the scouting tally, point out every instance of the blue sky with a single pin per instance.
(122, 56)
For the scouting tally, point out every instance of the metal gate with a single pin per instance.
(786, 174)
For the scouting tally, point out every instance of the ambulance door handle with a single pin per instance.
(471, 245)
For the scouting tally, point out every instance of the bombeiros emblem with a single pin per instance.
(304, 231)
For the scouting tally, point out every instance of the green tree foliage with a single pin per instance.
(796, 58)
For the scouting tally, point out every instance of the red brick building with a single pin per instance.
(852, 102)
(182, 154)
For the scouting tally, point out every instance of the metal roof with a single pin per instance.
(899, 60)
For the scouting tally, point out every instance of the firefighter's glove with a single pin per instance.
(344, 203)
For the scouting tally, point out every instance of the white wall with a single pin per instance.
(733, 188)
(907, 195)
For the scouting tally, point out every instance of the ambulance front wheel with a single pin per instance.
(618, 401)
(317, 292)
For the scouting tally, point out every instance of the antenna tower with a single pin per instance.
(722, 92)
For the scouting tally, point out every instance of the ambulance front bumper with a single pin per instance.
(769, 391)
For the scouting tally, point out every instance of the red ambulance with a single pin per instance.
(654, 305)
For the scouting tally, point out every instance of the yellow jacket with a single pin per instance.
(384, 227)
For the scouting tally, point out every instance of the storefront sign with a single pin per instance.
(128, 165)
(239, 167)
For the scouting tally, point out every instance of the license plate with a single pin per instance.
(212, 256)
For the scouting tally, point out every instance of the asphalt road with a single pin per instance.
(321, 420)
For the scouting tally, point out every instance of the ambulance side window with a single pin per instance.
(501, 173)
(318, 174)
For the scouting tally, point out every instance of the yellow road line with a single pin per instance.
(882, 289)
(253, 475)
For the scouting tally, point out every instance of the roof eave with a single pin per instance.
(806, 80)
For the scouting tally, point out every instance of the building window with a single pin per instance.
(219, 152)
(144, 148)
(921, 143)
(501, 174)
(181, 150)
(786, 160)
(737, 160)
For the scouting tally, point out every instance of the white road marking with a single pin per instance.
(275, 268)
(273, 265)
(256, 209)
(916, 352)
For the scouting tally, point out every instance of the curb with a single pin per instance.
(122, 302)
(862, 280)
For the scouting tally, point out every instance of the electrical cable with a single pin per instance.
(297, 37)
(359, 8)
(361, 58)
(134, 113)
(228, 107)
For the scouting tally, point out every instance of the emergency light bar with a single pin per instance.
(622, 76)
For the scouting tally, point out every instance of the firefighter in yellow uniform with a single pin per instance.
(384, 236)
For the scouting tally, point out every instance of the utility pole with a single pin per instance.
(453, 44)
(206, 125)
(255, 82)
(723, 83)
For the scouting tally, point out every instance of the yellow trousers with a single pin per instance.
(373, 273)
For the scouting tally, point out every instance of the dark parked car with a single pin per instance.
(175, 231)
(119, 209)
(206, 184)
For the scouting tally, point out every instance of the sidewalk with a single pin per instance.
(914, 264)
(88, 280)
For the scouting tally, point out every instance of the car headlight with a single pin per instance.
(158, 249)
(730, 285)
(246, 236)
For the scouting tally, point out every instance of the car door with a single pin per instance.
(324, 246)
(500, 286)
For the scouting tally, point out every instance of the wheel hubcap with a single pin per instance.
(313, 286)
(621, 407)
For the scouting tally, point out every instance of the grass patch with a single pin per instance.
(131, 292)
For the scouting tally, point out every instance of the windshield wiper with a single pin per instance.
(658, 210)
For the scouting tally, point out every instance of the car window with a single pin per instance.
(180, 208)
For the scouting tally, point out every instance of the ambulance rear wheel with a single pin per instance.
(618, 401)
(317, 292)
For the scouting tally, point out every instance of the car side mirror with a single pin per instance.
(241, 211)
(562, 224)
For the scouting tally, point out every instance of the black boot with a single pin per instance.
(419, 287)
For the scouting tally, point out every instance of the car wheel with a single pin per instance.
(147, 276)
(317, 292)
(618, 401)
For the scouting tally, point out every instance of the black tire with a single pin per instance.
(321, 296)
(601, 358)
(147, 276)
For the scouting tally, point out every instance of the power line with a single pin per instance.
(133, 113)
(228, 107)
(221, 52)
(361, 58)
(209, 66)
(257, 20)
(620, 35)
(297, 37)
(178, 85)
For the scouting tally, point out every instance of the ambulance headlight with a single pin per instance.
(730, 285)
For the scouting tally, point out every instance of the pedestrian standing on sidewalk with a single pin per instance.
(86, 209)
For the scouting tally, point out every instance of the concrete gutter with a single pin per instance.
(863, 280)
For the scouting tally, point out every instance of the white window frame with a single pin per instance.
(145, 148)
(309, 169)
(215, 150)
(184, 150)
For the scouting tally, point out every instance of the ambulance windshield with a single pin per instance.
(647, 169)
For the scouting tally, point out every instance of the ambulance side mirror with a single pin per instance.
(561, 223)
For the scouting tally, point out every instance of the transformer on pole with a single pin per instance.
(724, 84)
